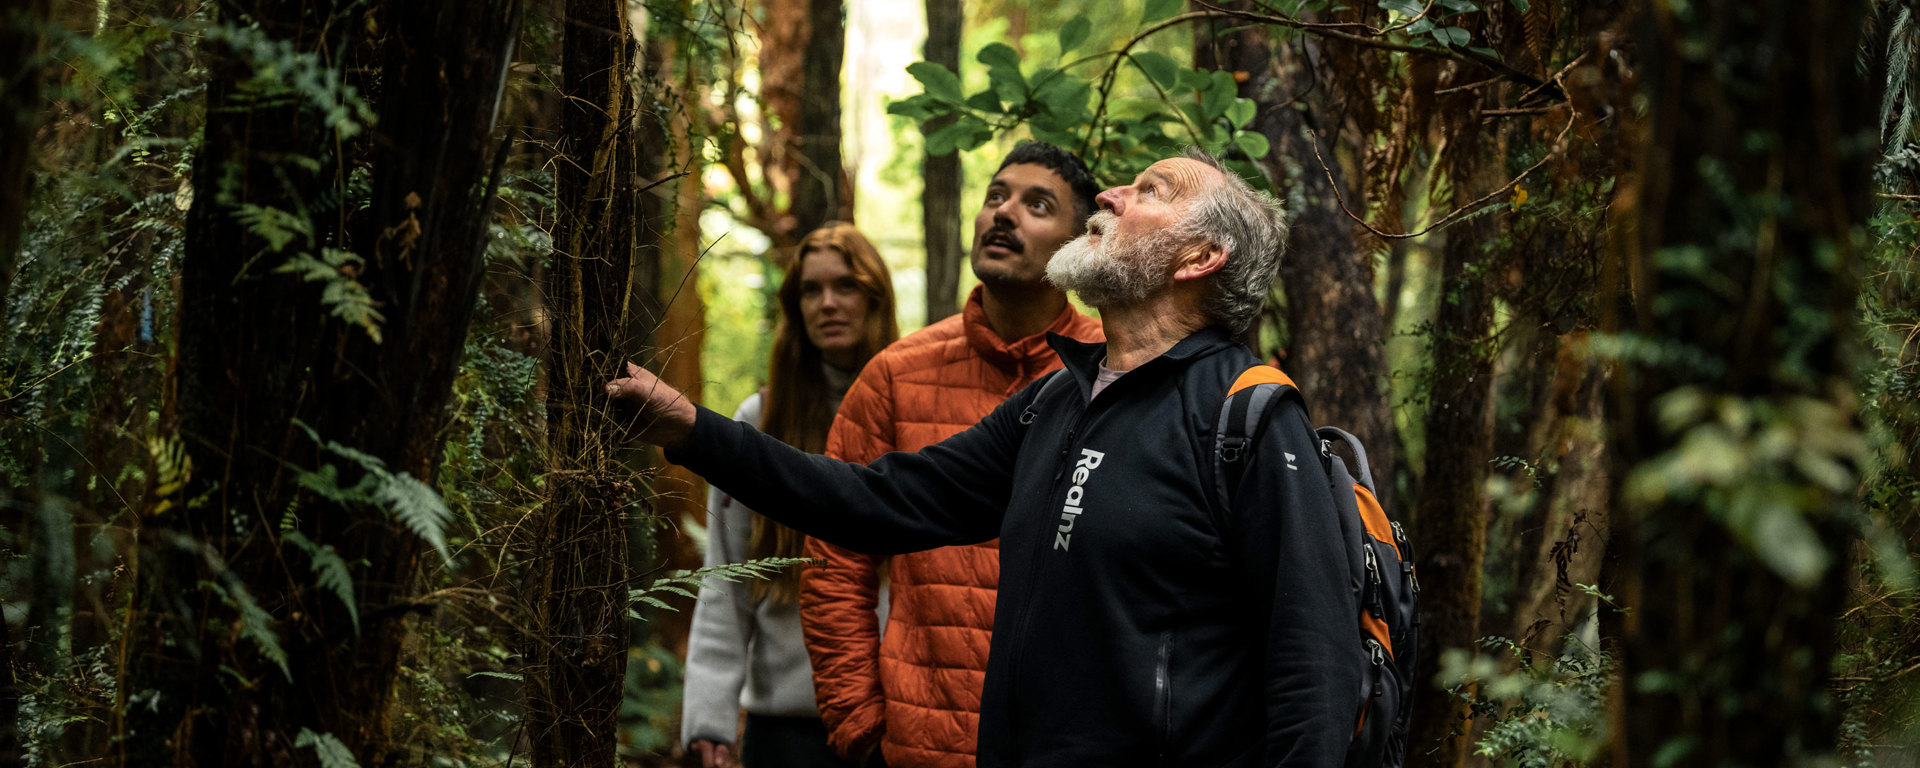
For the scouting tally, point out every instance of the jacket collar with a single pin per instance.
(1019, 355)
(1083, 358)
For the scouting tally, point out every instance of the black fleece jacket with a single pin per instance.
(1138, 623)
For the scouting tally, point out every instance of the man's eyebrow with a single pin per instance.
(1041, 190)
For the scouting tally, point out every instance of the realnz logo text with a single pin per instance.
(1089, 461)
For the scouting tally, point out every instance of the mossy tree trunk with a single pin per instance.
(580, 638)
(238, 655)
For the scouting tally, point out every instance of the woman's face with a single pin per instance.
(833, 306)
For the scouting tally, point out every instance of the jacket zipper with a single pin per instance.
(1053, 491)
(1163, 693)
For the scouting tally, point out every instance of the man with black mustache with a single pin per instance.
(916, 695)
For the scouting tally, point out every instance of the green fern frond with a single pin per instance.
(419, 508)
(500, 675)
(279, 228)
(330, 572)
(255, 623)
(678, 582)
(345, 297)
(332, 753)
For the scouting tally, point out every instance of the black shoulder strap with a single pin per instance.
(1243, 417)
(1053, 382)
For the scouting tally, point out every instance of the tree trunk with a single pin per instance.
(940, 201)
(238, 651)
(1451, 521)
(1337, 336)
(1742, 224)
(822, 191)
(580, 642)
(21, 48)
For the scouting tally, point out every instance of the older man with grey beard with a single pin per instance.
(1142, 620)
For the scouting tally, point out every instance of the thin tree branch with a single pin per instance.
(1558, 144)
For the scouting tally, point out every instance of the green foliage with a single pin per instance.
(341, 293)
(331, 753)
(415, 504)
(1764, 466)
(683, 582)
(1118, 137)
(1539, 714)
(329, 571)
(255, 623)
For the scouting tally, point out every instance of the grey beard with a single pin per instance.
(1117, 272)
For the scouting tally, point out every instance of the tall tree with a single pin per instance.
(580, 645)
(1451, 519)
(1735, 441)
(940, 200)
(802, 182)
(317, 349)
(1336, 346)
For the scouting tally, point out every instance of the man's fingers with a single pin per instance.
(633, 371)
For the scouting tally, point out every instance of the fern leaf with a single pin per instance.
(655, 602)
(501, 675)
(330, 573)
(255, 623)
(419, 508)
(332, 753)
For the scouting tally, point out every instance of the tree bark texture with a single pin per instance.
(1336, 348)
(822, 191)
(581, 632)
(21, 49)
(802, 47)
(1450, 524)
(940, 209)
(262, 362)
(1738, 256)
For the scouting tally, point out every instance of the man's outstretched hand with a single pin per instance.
(658, 413)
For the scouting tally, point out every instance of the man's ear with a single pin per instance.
(1203, 260)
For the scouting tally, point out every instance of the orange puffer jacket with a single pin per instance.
(918, 691)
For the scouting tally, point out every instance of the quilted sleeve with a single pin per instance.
(838, 595)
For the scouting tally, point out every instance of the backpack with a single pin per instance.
(1389, 620)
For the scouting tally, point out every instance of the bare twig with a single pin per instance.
(1450, 216)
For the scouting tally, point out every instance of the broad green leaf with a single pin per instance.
(1193, 80)
(1458, 6)
(1219, 95)
(1254, 144)
(940, 82)
(1158, 66)
(985, 101)
(1522, 5)
(999, 55)
(1065, 98)
(1009, 86)
(1421, 27)
(1487, 52)
(1160, 9)
(943, 141)
(1407, 8)
(912, 107)
(1073, 33)
(981, 134)
(1241, 112)
(1453, 36)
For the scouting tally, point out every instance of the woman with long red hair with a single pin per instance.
(745, 650)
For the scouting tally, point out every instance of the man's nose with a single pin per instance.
(1005, 211)
(1112, 200)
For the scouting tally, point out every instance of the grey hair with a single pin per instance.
(1251, 226)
